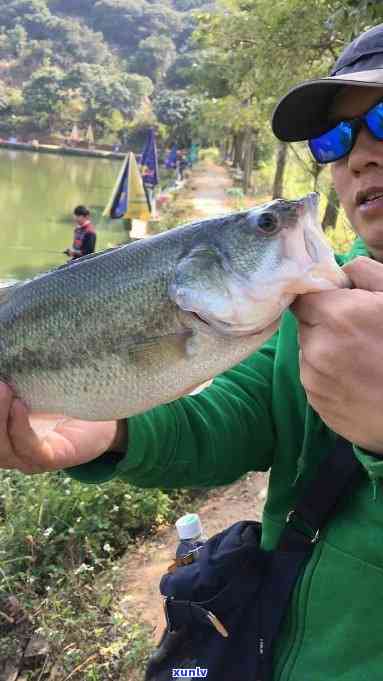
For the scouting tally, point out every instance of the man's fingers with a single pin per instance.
(329, 307)
(30, 453)
(365, 273)
(336, 309)
(319, 308)
(7, 459)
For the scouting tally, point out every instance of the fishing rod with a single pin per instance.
(31, 249)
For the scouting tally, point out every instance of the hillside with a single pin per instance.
(102, 62)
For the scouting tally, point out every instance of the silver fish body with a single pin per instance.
(121, 331)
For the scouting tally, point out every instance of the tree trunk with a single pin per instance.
(332, 209)
(316, 171)
(280, 169)
(228, 149)
(248, 159)
(238, 150)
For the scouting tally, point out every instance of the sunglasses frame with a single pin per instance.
(355, 125)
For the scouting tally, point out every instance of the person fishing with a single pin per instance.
(319, 376)
(84, 238)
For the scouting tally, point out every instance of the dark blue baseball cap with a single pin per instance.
(304, 112)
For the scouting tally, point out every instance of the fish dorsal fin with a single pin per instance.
(89, 256)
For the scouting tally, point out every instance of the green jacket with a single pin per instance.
(255, 417)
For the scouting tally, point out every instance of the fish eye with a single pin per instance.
(268, 222)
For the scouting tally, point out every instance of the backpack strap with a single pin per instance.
(335, 478)
(336, 475)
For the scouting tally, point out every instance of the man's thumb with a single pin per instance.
(365, 273)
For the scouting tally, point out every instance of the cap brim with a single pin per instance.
(304, 112)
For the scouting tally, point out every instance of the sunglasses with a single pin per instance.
(338, 142)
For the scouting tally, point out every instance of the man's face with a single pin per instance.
(80, 219)
(360, 174)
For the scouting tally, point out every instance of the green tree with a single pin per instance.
(43, 93)
(33, 14)
(81, 44)
(177, 110)
(119, 20)
(154, 56)
(13, 42)
(104, 91)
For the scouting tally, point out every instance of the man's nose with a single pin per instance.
(366, 151)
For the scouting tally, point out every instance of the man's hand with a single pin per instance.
(70, 443)
(341, 357)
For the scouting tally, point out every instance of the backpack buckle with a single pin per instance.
(315, 534)
(217, 624)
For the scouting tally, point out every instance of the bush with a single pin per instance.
(51, 524)
(210, 154)
(237, 196)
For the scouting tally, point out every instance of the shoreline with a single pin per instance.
(63, 151)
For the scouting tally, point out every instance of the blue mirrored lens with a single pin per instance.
(333, 144)
(374, 120)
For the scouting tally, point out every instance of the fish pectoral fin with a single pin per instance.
(144, 351)
(200, 281)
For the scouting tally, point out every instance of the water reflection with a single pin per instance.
(37, 195)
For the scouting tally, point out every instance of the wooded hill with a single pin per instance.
(94, 61)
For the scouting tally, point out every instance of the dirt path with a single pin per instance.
(209, 183)
(206, 190)
(142, 569)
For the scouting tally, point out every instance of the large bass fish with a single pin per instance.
(118, 332)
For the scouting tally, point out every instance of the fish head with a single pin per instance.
(246, 269)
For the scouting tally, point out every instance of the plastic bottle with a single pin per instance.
(190, 533)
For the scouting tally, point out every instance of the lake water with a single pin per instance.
(37, 195)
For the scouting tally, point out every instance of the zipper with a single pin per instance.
(261, 650)
(284, 669)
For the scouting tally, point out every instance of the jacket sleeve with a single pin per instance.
(202, 440)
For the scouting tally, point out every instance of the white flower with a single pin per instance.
(71, 530)
(107, 547)
(48, 532)
(84, 568)
(115, 508)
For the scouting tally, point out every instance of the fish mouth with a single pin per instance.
(219, 327)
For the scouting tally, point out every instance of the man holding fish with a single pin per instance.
(286, 395)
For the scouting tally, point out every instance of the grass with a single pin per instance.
(60, 542)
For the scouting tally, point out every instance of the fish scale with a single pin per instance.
(118, 332)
